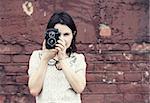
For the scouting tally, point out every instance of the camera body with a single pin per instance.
(51, 37)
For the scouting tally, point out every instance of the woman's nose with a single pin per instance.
(61, 36)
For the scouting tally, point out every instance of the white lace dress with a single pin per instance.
(56, 88)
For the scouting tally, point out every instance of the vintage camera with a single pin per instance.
(51, 37)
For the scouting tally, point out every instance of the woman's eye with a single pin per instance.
(66, 34)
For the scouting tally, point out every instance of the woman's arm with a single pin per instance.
(76, 80)
(35, 82)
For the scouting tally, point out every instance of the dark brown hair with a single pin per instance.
(61, 17)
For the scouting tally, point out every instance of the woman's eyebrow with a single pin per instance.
(67, 33)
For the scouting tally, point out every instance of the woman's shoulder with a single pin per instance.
(79, 60)
(77, 56)
(36, 53)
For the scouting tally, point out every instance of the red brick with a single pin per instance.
(78, 12)
(12, 33)
(113, 47)
(29, 48)
(99, 66)
(141, 66)
(7, 80)
(10, 74)
(134, 88)
(12, 19)
(133, 76)
(22, 79)
(95, 77)
(95, 98)
(16, 68)
(2, 99)
(145, 77)
(36, 37)
(90, 67)
(21, 58)
(24, 89)
(134, 98)
(114, 98)
(9, 89)
(146, 98)
(115, 77)
(22, 99)
(142, 48)
(86, 33)
(10, 8)
(124, 57)
(102, 88)
(16, 38)
(1, 68)
(125, 29)
(141, 57)
(105, 77)
(91, 57)
(114, 57)
(17, 34)
(88, 48)
(10, 49)
(5, 58)
(111, 66)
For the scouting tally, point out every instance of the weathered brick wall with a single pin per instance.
(118, 66)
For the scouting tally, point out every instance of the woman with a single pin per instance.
(57, 75)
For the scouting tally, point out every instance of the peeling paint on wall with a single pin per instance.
(104, 30)
(27, 8)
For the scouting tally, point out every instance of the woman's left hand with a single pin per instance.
(61, 47)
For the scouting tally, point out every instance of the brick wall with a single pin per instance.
(118, 66)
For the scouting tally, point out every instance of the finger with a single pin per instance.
(43, 46)
(58, 49)
(52, 50)
(60, 46)
(61, 42)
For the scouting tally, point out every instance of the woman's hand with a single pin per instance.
(48, 54)
(61, 47)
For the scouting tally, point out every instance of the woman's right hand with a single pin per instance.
(48, 54)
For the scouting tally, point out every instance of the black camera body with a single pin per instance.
(51, 37)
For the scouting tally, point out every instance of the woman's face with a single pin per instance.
(65, 33)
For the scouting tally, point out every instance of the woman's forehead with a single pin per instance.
(63, 28)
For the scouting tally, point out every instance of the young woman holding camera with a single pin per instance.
(57, 75)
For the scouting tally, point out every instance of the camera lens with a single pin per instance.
(51, 42)
(51, 34)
